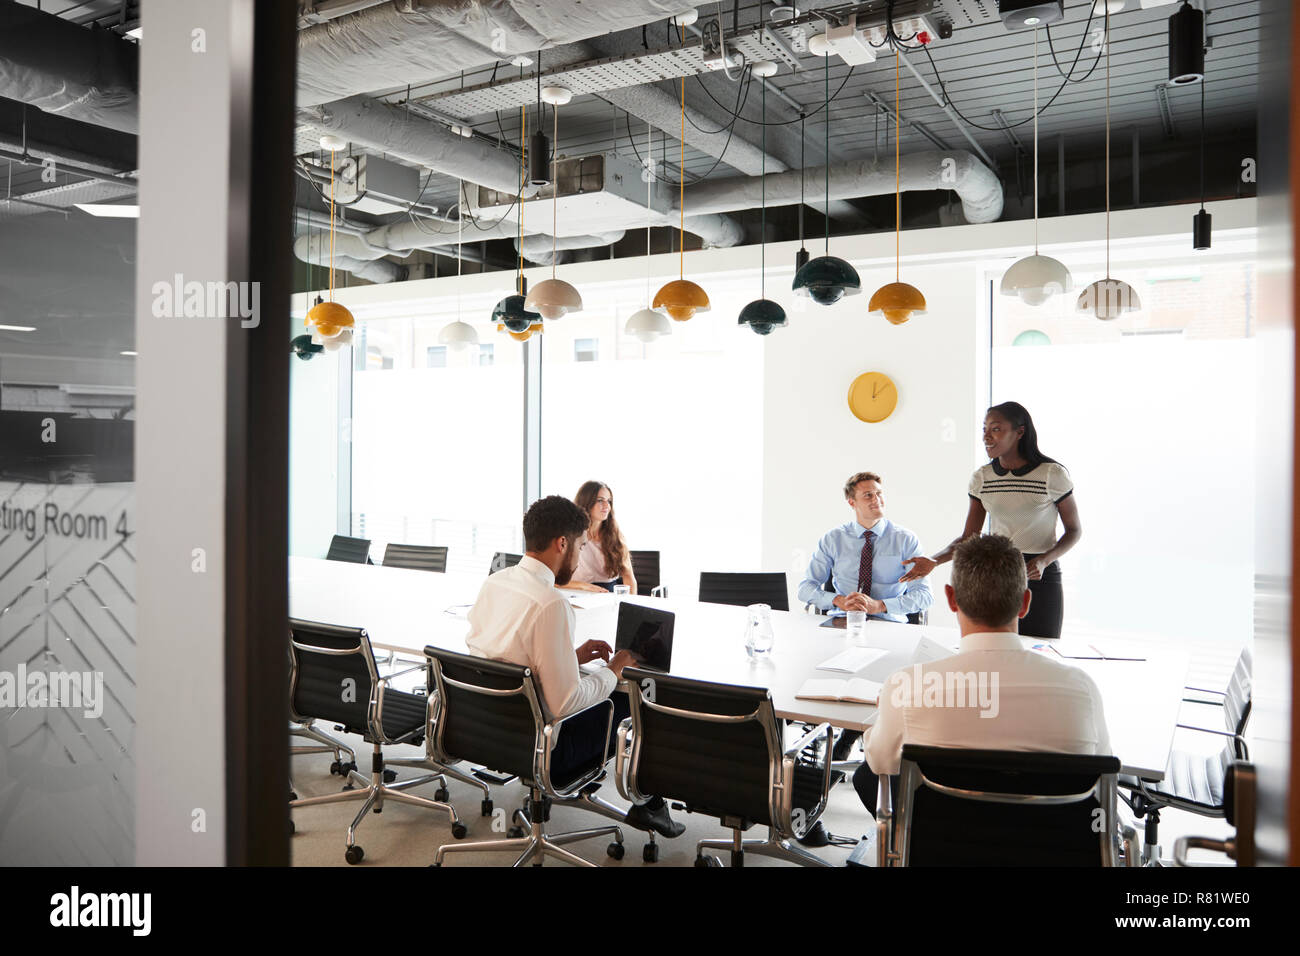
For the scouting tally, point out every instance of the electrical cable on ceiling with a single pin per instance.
(1052, 49)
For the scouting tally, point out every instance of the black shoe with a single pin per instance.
(844, 746)
(659, 820)
(816, 837)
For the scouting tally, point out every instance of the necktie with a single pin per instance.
(864, 567)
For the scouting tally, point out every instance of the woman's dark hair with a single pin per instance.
(611, 539)
(1018, 416)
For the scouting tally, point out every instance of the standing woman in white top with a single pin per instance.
(604, 560)
(1023, 492)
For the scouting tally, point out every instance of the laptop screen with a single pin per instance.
(647, 633)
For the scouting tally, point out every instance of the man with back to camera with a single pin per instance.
(519, 617)
(1038, 702)
(863, 560)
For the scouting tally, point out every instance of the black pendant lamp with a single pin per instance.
(1201, 227)
(763, 315)
(827, 279)
(511, 314)
(1186, 46)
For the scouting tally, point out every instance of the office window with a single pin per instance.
(586, 350)
(436, 356)
(437, 456)
(1154, 416)
(659, 422)
(485, 354)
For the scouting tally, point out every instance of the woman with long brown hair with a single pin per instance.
(604, 560)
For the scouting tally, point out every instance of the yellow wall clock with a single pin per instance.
(872, 397)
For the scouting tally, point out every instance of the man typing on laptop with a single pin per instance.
(520, 617)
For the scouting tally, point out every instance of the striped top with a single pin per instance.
(1021, 502)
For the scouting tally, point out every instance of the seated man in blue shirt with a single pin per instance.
(863, 560)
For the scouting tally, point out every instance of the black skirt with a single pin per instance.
(1046, 604)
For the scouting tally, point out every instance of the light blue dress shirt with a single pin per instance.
(839, 557)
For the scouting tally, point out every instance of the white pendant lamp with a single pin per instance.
(1036, 278)
(458, 335)
(647, 324)
(553, 297)
(1108, 298)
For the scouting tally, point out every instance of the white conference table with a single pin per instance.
(404, 610)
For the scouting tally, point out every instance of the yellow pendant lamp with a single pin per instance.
(898, 301)
(681, 299)
(1108, 298)
(331, 324)
(554, 297)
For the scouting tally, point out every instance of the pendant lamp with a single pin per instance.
(1035, 279)
(554, 297)
(1201, 221)
(1108, 298)
(458, 335)
(647, 324)
(763, 315)
(512, 314)
(897, 301)
(331, 324)
(827, 279)
(681, 298)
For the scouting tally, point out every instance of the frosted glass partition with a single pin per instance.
(68, 664)
(1154, 415)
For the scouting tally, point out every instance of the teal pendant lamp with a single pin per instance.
(763, 315)
(827, 279)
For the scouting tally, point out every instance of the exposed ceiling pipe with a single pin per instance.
(417, 41)
(322, 11)
(962, 172)
(377, 125)
(538, 249)
(59, 67)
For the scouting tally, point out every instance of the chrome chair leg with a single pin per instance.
(572, 836)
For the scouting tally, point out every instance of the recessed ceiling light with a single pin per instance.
(110, 210)
(129, 353)
(17, 328)
(521, 60)
(782, 12)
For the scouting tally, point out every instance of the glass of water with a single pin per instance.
(857, 625)
(622, 589)
(758, 631)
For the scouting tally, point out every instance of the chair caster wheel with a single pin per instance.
(515, 833)
(291, 827)
(354, 854)
(349, 786)
(390, 776)
(347, 768)
(708, 861)
(292, 795)
(650, 853)
(336, 768)
(459, 830)
(441, 795)
(615, 850)
(487, 808)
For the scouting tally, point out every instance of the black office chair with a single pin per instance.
(491, 713)
(333, 676)
(744, 589)
(1240, 784)
(645, 566)
(416, 557)
(1194, 782)
(962, 807)
(718, 749)
(354, 550)
(502, 560)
